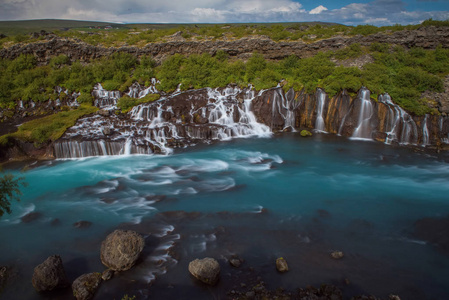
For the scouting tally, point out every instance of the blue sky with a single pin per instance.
(349, 12)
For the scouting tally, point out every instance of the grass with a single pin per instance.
(49, 128)
(126, 103)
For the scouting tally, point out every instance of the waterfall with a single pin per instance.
(321, 101)
(441, 121)
(104, 98)
(363, 129)
(212, 114)
(285, 106)
(425, 132)
(400, 125)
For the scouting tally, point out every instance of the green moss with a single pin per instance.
(50, 128)
(126, 103)
(304, 133)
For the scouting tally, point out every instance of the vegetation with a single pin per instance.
(9, 191)
(108, 34)
(49, 128)
(126, 103)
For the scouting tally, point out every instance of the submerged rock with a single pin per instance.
(82, 224)
(121, 249)
(85, 286)
(281, 265)
(50, 275)
(206, 270)
(30, 217)
(3, 276)
(235, 262)
(107, 274)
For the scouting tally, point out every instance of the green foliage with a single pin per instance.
(85, 98)
(126, 103)
(58, 61)
(9, 191)
(431, 22)
(353, 51)
(52, 127)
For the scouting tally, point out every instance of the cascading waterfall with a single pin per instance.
(400, 125)
(425, 132)
(285, 106)
(104, 98)
(154, 127)
(321, 101)
(445, 139)
(363, 129)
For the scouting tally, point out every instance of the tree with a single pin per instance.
(9, 191)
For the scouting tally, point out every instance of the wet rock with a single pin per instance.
(235, 262)
(337, 255)
(281, 265)
(107, 274)
(85, 286)
(121, 249)
(107, 130)
(3, 277)
(305, 133)
(49, 275)
(104, 112)
(206, 270)
(31, 217)
(82, 224)
(55, 222)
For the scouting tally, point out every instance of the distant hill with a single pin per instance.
(27, 26)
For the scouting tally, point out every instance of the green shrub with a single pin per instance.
(85, 98)
(126, 103)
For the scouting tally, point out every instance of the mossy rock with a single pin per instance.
(305, 133)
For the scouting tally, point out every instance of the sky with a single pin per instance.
(348, 12)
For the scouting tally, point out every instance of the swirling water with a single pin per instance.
(255, 198)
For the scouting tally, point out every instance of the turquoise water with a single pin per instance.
(255, 198)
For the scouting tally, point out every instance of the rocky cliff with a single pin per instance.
(426, 37)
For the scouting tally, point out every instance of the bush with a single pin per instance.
(126, 103)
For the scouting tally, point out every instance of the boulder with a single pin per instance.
(337, 254)
(107, 274)
(50, 275)
(281, 265)
(206, 270)
(305, 133)
(121, 249)
(85, 286)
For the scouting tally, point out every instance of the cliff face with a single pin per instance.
(425, 37)
(207, 115)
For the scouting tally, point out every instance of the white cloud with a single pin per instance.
(377, 12)
(317, 10)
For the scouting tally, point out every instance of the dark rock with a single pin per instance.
(55, 222)
(50, 275)
(107, 274)
(434, 231)
(82, 224)
(3, 277)
(206, 270)
(85, 286)
(235, 262)
(107, 131)
(281, 265)
(121, 249)
(30, 217)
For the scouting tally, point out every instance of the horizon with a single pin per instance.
(346, 12)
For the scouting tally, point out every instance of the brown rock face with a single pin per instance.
(50, 275)
(121, 249)
(85, 286)
(206, 270)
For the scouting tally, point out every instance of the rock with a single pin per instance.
(305, 133)
(50, 275)
(104, 112)
(85, 286)
(235, 262)
(3, 276)
(337, 254)
(394, 297)
(107, 131)
(206, 270)
(281, 265)
(107, 274)
(30, 217)
(82, 224)
(121, 249)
